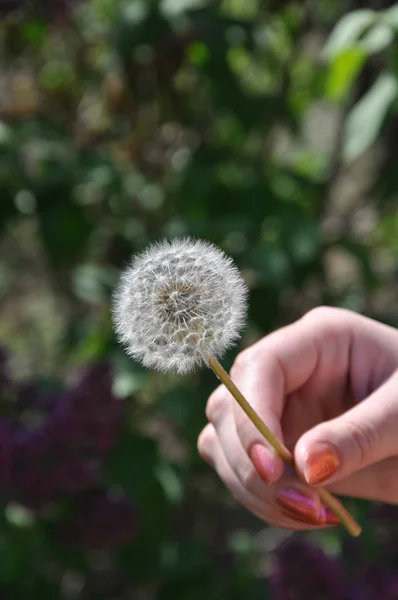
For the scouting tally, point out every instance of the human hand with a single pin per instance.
(326, 386)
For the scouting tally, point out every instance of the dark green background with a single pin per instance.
(268, 128)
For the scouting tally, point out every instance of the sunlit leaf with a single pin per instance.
(347, 31)
(342, 72)
(170, 481)
(378, 38)
(390, 17)
(366, 118)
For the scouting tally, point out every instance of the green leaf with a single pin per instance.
(366, 118)
(173, 8)
(390, 17)
(22, 550)
(343, 71)
(6, 135)
(198, 53)
(171, 482)
(380, 37)
(303, 243)
(93, 283)
(184, 560)
(348, 30)
(34, 32)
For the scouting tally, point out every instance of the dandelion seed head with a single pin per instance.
(178, 302)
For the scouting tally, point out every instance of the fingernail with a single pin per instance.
(305, 520)
(300, 507)
(263, 462)
(331, 518)
(320, 464)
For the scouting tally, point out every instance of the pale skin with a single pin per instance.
(327, 386)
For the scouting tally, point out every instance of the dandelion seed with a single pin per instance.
(179, 302)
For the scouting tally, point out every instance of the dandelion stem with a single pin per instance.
(333, 503)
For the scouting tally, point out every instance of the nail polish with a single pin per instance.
(331, 518)
(320, 464)
(305, 520)
(299, 506)
(263, 463)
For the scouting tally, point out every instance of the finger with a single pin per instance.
(269, 467)
(254, 473)
(290, 506)
(211, 451)
(279, 364)
(293, 499)
(378, 482)
(362, 436)
(206, 444)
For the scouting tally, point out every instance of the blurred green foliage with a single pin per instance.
(268, 128)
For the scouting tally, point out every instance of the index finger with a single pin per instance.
(284, 361)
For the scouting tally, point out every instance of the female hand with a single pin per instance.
(327, 386)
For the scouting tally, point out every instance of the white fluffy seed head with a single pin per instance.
(177, 303)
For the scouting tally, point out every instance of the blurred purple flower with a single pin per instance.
(57, 10)
(77, 474)
(44, 469)
(63, 456)
(303, 571)
(383, 519)
(375, 583)
(385, 528)
(35, 478)
(99, 520)
(29, 396)
(7, 451)
(87, 418)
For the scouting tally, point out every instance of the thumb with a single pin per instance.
(362, 436)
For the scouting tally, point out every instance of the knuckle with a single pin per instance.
(215, 405)
(331, 328)
(205, 442)
(330, 316)
(324, 314)
(245, 429)
(249, 479)
(242, 361)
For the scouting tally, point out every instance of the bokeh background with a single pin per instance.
(269, 128)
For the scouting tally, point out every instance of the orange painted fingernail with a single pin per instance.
(320, 465)
(300, 507)
(263, 463)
